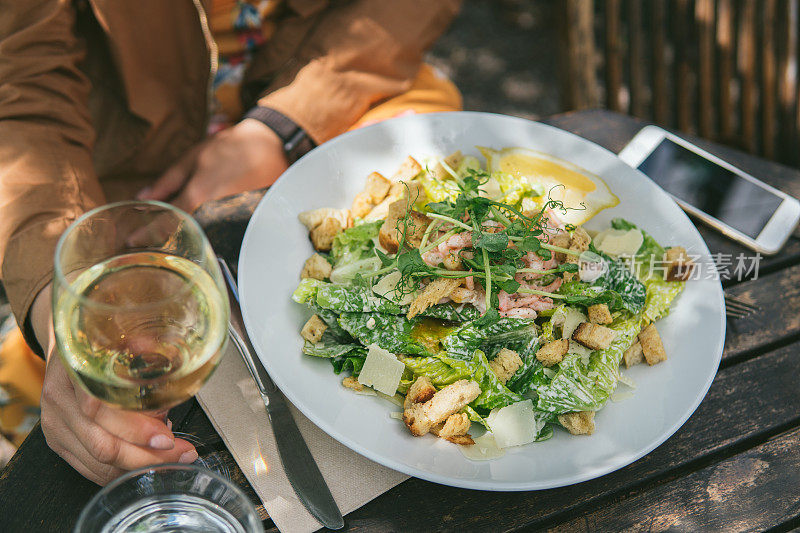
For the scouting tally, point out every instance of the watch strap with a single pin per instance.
(296, 142)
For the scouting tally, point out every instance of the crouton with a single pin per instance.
(570, 276)
(322, 236)
(408, 170)
(361, 205)
(578, 423)
(352, 383)
(678, 265)
(420, 417)
(313, 330)
(599, 314)
(420, 391)
(400, 190)
(377, 187)
(580, 240)
(462, 440)
(431, 294)
(375, 190)
(399, 220)
(316, 267)
(505, 364)
(562, 240)
(450, 399)
(452, 161)
(416, 421)
(633, 355)
(455, 425)
(553, 352)
(594, 336)
(315, 217)
(652, 347)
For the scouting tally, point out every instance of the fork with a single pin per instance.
(738, 308)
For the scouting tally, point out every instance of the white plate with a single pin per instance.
(276, 246)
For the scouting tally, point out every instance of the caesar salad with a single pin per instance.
(471, 294)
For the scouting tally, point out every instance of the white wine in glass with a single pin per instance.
(142, 330)
(140, 308)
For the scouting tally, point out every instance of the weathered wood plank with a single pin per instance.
(768, 79)
(658, 56)
(727, 111)
(704, 20)
(746, 64)
(787, 32)
(684, 103)
(613, 52)
(778, 297)
(752, 491)
(579, 84)
(636, 59)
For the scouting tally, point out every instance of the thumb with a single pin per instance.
(173, 179)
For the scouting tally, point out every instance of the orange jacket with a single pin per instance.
(100, 96)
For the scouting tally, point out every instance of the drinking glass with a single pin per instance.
(167, 498)
(140, 307)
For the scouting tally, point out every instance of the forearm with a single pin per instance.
(357, 54)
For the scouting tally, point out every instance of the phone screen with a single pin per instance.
(737, 202)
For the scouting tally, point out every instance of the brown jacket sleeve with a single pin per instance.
(46, 173)
(353, 55)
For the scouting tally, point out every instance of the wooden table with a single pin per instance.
(734, 466)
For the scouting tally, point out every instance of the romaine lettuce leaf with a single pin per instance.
(489, 338)
(439, 372)
(353, 299)
(306, 292)
(660, 294)
(329, 349)
(352, 252)
(331, 319)
(622, 281)
(579, 387)
(390, 332)
(352, 361)
(451, 313)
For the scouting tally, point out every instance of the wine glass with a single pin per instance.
(140, 308)
(168, 498)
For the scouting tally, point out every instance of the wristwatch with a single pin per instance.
(296, 142)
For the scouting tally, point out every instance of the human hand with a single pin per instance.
(98, 441)
(244, 157)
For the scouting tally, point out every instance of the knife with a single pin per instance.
(297, 461)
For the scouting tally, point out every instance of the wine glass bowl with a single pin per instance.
(140, 308)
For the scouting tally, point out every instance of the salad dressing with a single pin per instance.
(429, 332)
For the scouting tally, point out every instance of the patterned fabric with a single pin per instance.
(239, 27)
(21, 377)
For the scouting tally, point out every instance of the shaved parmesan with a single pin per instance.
(381, 370)
(618, 242)
(582, 351)
(571, 321)
(387, 287)
(514, 425)
(484, 449)
(397, 415)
